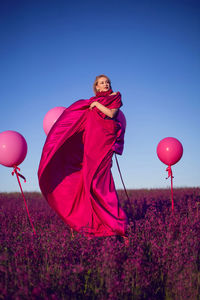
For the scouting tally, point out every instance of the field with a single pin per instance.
(161, 262)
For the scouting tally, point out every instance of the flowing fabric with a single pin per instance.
(75, 168)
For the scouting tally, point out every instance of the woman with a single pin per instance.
(74, 172)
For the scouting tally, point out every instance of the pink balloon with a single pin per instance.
(121, 118)
(13, 148)
(51, 117)
(169, 151)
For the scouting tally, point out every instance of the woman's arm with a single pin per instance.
(107, 111)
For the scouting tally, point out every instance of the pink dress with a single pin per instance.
(75, 168)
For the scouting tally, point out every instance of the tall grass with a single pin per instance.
(161, 262)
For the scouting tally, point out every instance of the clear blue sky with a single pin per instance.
(51, 51)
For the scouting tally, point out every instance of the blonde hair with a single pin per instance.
(96, 82)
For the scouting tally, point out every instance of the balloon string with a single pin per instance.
(169, 170)
(15, 172)
(19, 175)
(121, 177)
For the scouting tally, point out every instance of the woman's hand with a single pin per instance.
(93, 104)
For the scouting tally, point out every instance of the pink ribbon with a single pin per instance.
(169, 170)
(15, 171)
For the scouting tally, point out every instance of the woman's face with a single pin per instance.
(103, 84)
